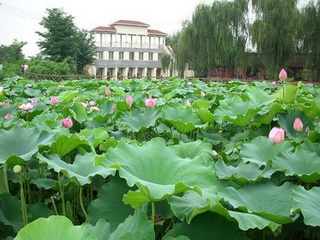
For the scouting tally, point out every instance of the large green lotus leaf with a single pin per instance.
(22, 143)
(263, 199)
(286, 121)
(49, 122)
(236, 111)
(184, 120)
(67, 96)
(287, 94)
(82, 169)
(109, 205)
(195, 149)
(202, 104)
(140, 121)
(308, 202)
(110, 143)
(268, 118)
(311, 147)
(208, 226)
(134, 227)
(205, 115)
(10, 211)
(257, 94)
(305, 165)
(191, 204)
(52, 228)
(33, 92)
(4, 110)
(158, 171)
(243, 173)
(38, 210)
(78, 112)
(64, 144)
(94, 136)
(261, 150)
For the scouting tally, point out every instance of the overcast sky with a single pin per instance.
(19, 19)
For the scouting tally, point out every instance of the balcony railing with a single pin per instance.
(129, 45)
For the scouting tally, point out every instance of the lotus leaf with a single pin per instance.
(10, 211)
(82, 169)
(263, 199)
(78, 112)
(109, 205)
(243, 173)
(158, 170)
(22, 143)
(308, 202)
(236, 111)
(63, 145)
(287, 94)
(208, 226)
(305, 165)
(261, 150)
(139, 121)
(52, 228)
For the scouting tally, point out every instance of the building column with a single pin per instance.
(144, 72)
(125, 73)
(135, 72)
(153, 73)
(115, 73)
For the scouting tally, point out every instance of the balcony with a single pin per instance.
(129, 45)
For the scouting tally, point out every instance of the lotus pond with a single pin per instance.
(171, 159)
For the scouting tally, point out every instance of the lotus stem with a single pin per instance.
(54, 206)
(4, 187)
(82, 206)
(62, 196)
(23, 201)
(153, 214)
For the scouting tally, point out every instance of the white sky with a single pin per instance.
(19, 19)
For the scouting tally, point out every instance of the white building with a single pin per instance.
(128, 49)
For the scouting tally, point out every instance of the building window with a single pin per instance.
(131, 55)
(141, 56)
(111, 55)
(159, 56)
(100, 55)
(121, 55)
(150, 56)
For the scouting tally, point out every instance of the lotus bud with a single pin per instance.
(202, 94)
(8, 116)
(188, 104)
(298, 125)
(129, 99)
(114, 106)
(67, 122)
(92, 103)
(108, 91)
(276, 135)
(283, 74)
(274, 83)
(29, 85)
(54, 100)
(94, 108)
(34, 101)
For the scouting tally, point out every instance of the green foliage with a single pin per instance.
(39, 66)
(63, 40)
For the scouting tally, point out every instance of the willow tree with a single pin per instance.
(274, 32)
(310, 29)
(215, 36)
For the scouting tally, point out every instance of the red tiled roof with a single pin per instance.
(157, 32)
(100, 28)
(129, 22)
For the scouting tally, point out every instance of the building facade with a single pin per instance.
(129, 49)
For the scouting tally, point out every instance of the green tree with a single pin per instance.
(63, 40)
(12, 53)
(310, 38)
(274, 32)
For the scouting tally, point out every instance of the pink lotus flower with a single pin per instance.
(54, 100)
(298, 125)
(67, 122)
(283, 74)
(202, 94)
(273, 83)
(108, 91)
(129, 100)
(84, 104)
(150, 102)
(33, 101)
(8, 116)
(276, 135)
(4, 103)
(93, 108)
(92, 103)
(29, 85)
(26, 107)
